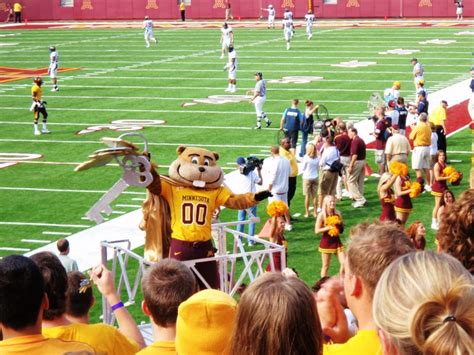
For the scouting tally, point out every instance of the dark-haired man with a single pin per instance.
(22, 302)
(103, 338)
(68, 263)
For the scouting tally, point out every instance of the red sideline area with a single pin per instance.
(458, 117)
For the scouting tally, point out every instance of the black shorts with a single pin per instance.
(293, 136)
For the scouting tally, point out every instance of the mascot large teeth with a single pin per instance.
(178, 209)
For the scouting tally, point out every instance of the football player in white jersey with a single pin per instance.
(309, 17)
(271, 16)
(231, 67)
(53, 67)
(148, 34)
(287, 15)
(227, 38)
(288, 28)
(258, 99)
(418, 71)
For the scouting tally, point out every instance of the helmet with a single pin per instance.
(310, 12)
(397, 84)
(225, 25)
(270, 6)
(38, 81)
(52, 48)
(147, 18)
(259, 74)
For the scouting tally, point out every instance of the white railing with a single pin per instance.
(236, 266)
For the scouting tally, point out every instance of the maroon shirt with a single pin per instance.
(343, 144)
(358, 148)
(380, 141)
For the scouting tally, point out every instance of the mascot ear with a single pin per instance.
(180, 149)
(216, 156)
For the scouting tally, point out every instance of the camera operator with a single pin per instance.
(242, 180)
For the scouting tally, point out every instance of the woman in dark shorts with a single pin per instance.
(330, 241)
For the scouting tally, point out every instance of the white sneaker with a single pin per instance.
(358, 204)
(222, 56)
(434, 225)
(228, 90)
(233, 90)
(45, 131)
(345, 193)
(37, 133)
(428, 188)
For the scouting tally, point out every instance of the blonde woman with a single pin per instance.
(329, 223)
(277, 315)
(310, 179)
(423, 304)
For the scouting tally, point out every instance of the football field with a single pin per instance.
(115, 84)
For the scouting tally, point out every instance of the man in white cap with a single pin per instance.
(148, 34)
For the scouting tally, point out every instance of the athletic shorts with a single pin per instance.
(310, 187)
(53, 71)
(279, 197)
(258, 103)
(379, 156)
(421, 158)
(232, 74)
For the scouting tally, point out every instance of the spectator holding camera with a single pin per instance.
(243, 180)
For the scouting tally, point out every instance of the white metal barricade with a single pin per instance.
(237, 264)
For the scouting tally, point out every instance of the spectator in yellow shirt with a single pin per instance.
(438, 118)
(285, 152)
(372, 248)
(17, 8)
(182, 10)
(22, 302)
(421, 158)
(165, 286)
(103, 338)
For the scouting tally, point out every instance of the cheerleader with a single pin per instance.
(446, 201)
(403, 205)
(439, 185)
(417, 233)
(387, 197)
(330, 224)
(277, 210)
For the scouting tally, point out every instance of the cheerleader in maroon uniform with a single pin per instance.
(403, 204)
(387, 197)
(417, 233)
(439, 185)
(329, 223)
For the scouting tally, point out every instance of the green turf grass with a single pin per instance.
(120, 79)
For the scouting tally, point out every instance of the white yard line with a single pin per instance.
(65, 190)
(14, 249)
(44, 224)
(56, 233)
(39, 241)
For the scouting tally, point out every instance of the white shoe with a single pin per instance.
(222, 56)
(45, 131)
(228, 90)
(358, 204)
(233, 90)
(434, 225)
(37, 133)
(345, 193)
(428, 188)
(53, 90)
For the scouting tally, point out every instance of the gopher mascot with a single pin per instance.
(178, 209)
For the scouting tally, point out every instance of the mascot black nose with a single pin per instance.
(202, 169)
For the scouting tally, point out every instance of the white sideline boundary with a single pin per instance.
(85, 245)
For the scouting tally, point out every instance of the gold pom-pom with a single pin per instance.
(277, 209)
(453, 174)
(406, 185)
(333, 221)
(415, 189)
(398, 168)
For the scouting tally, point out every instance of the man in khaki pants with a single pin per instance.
(355, 170)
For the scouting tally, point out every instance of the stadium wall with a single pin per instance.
(37, 10)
